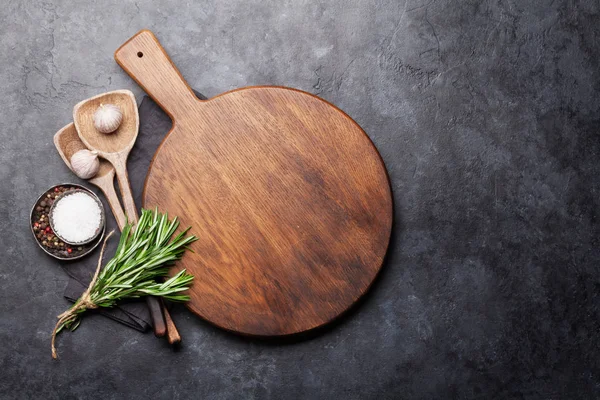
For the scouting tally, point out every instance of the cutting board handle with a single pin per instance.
(145, 60)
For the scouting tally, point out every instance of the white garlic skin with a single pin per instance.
(85, 164)
(107, 118)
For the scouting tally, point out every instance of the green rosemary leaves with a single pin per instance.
(143, 255)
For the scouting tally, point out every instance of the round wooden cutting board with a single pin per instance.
(288, 196)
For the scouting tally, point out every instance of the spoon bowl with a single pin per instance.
(107, 144)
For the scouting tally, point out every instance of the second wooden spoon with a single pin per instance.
(67, 143)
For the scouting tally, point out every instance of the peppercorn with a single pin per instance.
(69, 250)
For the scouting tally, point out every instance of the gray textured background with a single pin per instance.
(486, 114)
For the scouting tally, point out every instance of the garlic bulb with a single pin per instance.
(85, 164)
(107, 118)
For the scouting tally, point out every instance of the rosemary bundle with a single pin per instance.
(143, 255)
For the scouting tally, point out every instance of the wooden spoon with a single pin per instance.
(67, 143)
(114, 147)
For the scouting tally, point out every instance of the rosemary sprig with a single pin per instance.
(142, 256)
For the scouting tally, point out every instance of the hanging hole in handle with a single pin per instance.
(140, 54)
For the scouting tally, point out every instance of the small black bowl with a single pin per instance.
(86, 248)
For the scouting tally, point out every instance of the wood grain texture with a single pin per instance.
(114, 147)
(172, 333)
(288, 195)
(67, 143)
(156, 313)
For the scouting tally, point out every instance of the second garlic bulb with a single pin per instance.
(85, 164)
(107, 118)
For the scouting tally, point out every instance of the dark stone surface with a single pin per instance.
(487, 116)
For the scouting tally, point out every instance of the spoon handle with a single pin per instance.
(172, 332)
(113, 201)
(120, 164)
(156, 313)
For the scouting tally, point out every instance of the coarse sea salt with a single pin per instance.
(76, 217)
